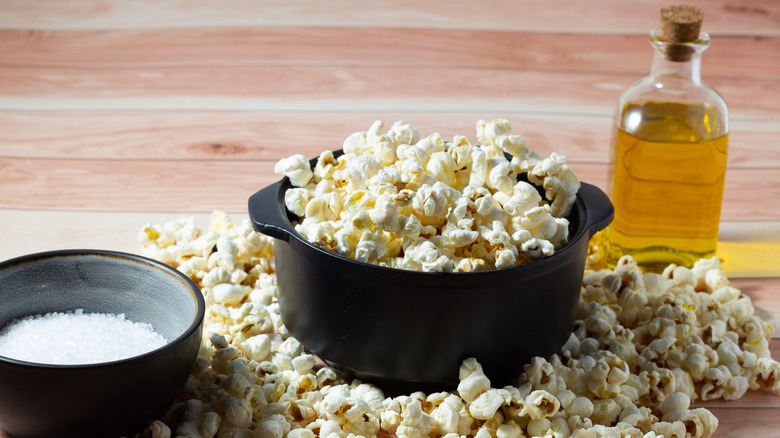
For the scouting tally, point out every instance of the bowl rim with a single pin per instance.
(195, 291)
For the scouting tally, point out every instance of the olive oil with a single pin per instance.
(668, 155)
(667, 184)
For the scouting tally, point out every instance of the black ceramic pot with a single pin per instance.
(110, 399)
(405, 330)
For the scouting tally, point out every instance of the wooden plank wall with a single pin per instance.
(191, 85)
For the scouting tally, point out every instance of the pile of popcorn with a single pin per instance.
(644, 347)
(397, 200)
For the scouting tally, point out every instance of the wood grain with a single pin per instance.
(746, 17)
(748, 422)
(409, 47)
(233, 135)
(154, 185)
(348, 88)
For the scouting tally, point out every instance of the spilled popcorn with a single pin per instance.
(645, 346)
(397, 200)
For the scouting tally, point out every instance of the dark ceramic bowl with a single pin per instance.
(108, 399)
(406, 330)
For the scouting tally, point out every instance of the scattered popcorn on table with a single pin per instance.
(388, 193)
(645, 347)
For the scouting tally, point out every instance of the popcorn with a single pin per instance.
(447, 418)
(488, 132)
(387, 186)
(386, 214)
(275, 426)
(158, 429)
(296, 168)
(509, 430)
(301, 433)
(766, 375)
(541, 404)
(674, 403)
(238, 412)
(643, 348)
(485, 406)
(430, 204)
(501, 175)
(442, 166)
(257, 347)
(534, 248)
(524, 197)
(473, 381)
(206, 426)
(538, 426)
(228, 293)
(580, 406)
(559, 181)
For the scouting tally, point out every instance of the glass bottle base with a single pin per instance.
(605, 253)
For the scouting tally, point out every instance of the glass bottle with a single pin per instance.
(668, 154)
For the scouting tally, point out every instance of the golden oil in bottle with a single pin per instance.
(667, 185)
(668, 155)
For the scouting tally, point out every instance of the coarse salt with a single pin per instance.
(73, 338)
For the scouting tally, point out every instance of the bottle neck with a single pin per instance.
(689, 69)
(681, 61)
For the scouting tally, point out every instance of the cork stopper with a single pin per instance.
(680, 24)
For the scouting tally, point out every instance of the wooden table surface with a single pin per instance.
(114, 114)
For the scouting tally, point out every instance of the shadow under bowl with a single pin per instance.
(107, 399)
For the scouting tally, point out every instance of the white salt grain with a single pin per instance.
(73, 338)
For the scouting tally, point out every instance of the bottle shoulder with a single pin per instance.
(683, 122)
(672, 89)
(655, 107)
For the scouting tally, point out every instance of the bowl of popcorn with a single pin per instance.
(400, 256)
(93, 343)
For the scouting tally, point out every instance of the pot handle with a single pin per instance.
(600, 210)
(268, 213)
